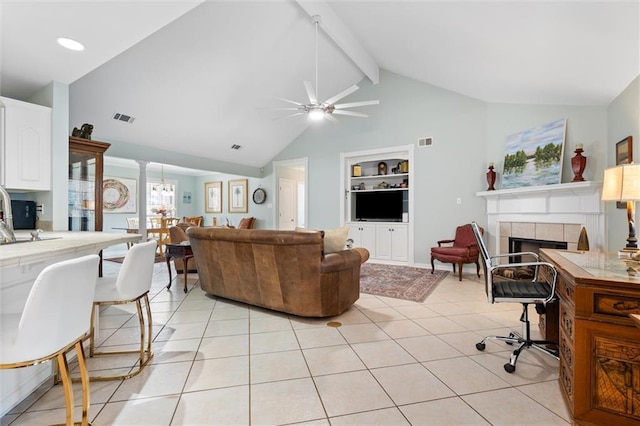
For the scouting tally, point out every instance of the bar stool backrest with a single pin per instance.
(136, 273)
(58, 308)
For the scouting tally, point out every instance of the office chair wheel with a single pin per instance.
(512, 335)
(509, 368)
(480, 346)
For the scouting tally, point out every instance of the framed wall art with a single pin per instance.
(119, 195)
(624, 155)
(238, 196)
(624, 151)
(534, 157)
(213, 197)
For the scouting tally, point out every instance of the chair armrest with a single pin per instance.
(445, 242)
(344, 259)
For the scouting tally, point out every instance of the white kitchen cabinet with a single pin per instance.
(392, 242)
(364, 235)
(25, 145)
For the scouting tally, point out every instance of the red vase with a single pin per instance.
(578, 163)
(491, 178)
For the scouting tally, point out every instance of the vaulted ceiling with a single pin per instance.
(201, 76)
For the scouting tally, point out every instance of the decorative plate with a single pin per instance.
(259, 196)
(114, 194)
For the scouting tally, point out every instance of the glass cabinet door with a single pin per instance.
(85, 184)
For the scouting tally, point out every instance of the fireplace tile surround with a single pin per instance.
(551, 212)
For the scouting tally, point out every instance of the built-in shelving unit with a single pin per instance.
(377, 188)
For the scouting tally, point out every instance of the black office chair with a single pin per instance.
(538, 292)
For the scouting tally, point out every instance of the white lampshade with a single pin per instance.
(622, 183)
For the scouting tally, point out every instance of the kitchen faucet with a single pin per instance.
(6, 225)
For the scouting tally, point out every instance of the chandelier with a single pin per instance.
(163, 188)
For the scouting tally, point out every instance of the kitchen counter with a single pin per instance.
(56, 244)
(20, 264)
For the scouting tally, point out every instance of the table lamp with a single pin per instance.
(622, 183)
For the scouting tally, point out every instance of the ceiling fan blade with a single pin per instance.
(352, 113)
(290, 101)
(330, 117)
(289, 116)
(341, 95)
(286, 109)
(310, 93)
(356, 104)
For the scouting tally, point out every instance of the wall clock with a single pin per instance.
(259, 196)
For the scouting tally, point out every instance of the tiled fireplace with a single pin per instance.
(550, 213)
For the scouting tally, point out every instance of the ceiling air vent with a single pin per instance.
(235, 146)
(123, 117)
(425, 141)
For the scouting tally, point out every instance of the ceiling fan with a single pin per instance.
(317, 110)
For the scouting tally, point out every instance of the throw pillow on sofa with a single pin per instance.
(333, 239)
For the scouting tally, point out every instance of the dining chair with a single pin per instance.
(194, 220)
(55, 319)
(131, 285)
(132, 223)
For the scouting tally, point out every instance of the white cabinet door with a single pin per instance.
(364, 236)
(383, 242)
(26, 145)
(399, 243)
(392, 242)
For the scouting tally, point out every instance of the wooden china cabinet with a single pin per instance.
(86, 163)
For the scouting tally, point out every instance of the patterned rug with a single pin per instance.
(400, 282)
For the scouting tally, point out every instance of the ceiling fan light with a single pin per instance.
(316, 114)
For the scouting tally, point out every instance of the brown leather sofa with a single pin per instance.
(281, 270)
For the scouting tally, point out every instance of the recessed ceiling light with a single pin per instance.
(70, 44)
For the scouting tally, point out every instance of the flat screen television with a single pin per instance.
(379, 206)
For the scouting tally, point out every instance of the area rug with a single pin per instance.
(159, 258)
(400, 282)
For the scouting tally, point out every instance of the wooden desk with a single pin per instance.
(599, 342)
(180, 251)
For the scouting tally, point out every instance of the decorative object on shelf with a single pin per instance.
(622, 183)
(238, 196)
(491, 178)
(357, 170)
(119, 195)
(382, 185)
(213, 197)
(534, 157)
(362, 187)
(83, 132)
(382, 168)
(578, 163)
(259, 196)
(583, 240)
(404, 166)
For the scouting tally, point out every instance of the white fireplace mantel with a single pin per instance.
(567, 203)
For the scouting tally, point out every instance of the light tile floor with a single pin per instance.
(392, 362)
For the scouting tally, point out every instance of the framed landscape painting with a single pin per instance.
(534, 157)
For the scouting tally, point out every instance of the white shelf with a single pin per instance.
(393, 175)
(379, 190)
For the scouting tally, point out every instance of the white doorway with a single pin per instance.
(290, 181)
(287, 201)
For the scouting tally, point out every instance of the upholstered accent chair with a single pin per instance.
(462, 249)
(247, 223)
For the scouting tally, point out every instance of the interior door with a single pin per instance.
(287, 204)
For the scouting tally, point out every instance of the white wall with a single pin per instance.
(467, 134)
(623, 117)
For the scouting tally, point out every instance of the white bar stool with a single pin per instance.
(56, 318)
(130, 286)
